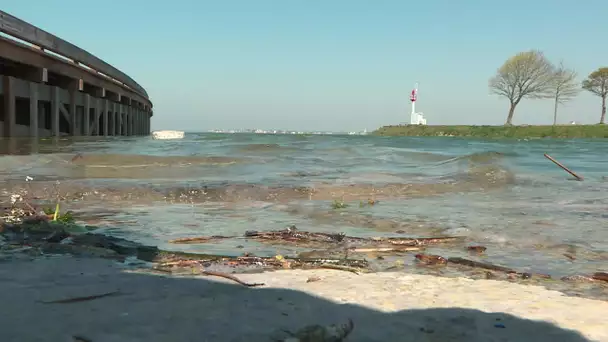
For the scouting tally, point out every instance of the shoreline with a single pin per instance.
(149, 306)
(486, 131)
(39, 235)
(103, 288)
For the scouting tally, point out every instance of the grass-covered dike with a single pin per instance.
(559, 131)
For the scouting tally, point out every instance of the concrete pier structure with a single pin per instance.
(50, 87)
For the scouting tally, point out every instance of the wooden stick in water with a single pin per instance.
(563, 167)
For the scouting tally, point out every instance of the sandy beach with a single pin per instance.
(383, 307)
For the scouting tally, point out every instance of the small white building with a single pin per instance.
(418, 119)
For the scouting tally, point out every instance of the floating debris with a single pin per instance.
(491, 267)
(579, 178)
(293, 235)
(429, 259)
(477, 264)
(81, 299)
(601, 276)
(80, 338)
(200, 239)
(36, 234)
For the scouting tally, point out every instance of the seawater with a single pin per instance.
(502, 194)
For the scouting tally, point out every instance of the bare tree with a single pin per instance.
(527, 74)
(597, 83)
(564, 87)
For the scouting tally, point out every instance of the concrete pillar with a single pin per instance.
(55, 103)
(118, 105)
(120, 121)
(134, 118)
(74, 129)
(42, 116)
(118, 110)
(86, 114)
(143, 122)
(34, 110)
(133, 114)
(126, 123)
(106, 109)
(34, 145)
(113, 119)
(97, 115)
(128, 120)
(11, 146)
(136, 122)
(10, 115)
(120, 130)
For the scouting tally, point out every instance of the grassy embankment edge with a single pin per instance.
(559, 131)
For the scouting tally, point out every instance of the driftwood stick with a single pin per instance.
(292, 235)
(230, 277)
(563, 167)
(341, 268)
(384, 249)
(81, 299)
(603, 276)
(483, 265)
(199, 239)
(420, 241)
(491, 267)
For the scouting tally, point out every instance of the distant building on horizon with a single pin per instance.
(416, 118)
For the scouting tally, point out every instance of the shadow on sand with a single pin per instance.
(156, 308)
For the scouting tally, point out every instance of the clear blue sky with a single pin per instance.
(329, 64)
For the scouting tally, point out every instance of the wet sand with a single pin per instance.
(384, 307)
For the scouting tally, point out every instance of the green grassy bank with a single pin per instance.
(564, 131)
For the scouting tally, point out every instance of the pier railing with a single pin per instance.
(48, 43)
(52, 87)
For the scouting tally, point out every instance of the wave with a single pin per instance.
(479, 157)
(474, 179)
(300, 176)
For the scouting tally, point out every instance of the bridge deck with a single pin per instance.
(51, 87)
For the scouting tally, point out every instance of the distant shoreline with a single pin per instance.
(559, 131)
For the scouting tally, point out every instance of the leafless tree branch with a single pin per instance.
(527, 74)
(565, 85)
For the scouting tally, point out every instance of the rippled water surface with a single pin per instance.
(502, 194)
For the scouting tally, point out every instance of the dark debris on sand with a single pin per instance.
(36, 234)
